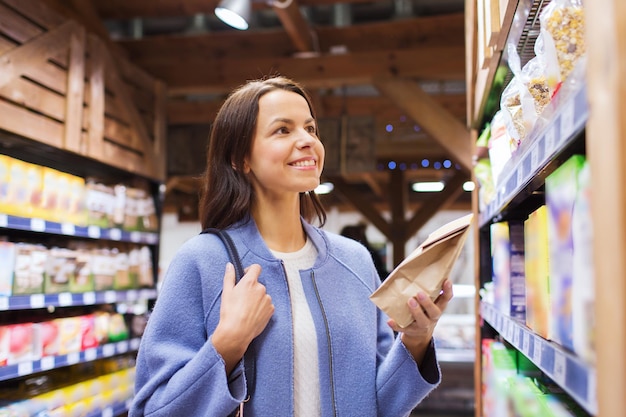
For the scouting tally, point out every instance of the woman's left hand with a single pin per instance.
(426, 313)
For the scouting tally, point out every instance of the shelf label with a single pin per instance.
(37, 301)
(93, 232)
(592, 387)
(135, 237)
(134, 344)
(537, 354)
(549, 140)
(107, 412)
(526, 343)
(534, 158)
(152, 238)
(47, 363)
(115, 234)
(567, 119)
(4, 220)
(110, 297)
(37, 225)
(560, 368)
(65, 299)
(4, 303)
(520, 176)
(73, 358)
(122, 347)
(25, 368)
(89, 298)
(516, 336)
(131, 295)
(91, 354)
(68, 229)
(108, 350)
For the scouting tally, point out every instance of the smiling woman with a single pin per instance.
(297, 335)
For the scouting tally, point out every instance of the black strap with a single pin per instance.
(236, 261)
(230, 248)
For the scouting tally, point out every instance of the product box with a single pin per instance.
(30, 264)
(103, 269)
(76, 211)
(4, 345)
(34, 192)
(5, 180)
(21, 347)
(82, 280)
(70, 336)
(17, 192)
(7, 267)
(561, 192)
(537, 267)
(518, 275)
(50, 194)
(123, 278)
(501, 266)
(48, 337)
(60, 270)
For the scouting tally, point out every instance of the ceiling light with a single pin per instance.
(235, 13)
(324, 188)
(428, 187)
(468, 186)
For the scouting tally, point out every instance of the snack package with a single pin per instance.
(517, 102)
(425, 269)
(501, 146)
(563, 26)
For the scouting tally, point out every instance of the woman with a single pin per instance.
(297, 336)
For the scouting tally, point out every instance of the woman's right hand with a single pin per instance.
(245, 311)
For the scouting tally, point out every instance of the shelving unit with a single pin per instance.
(70, 104)
(588, 122)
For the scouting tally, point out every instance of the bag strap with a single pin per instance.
(236, 261)
(230, 248)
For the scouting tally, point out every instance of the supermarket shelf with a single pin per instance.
(575, 376)
(112, 410)
(52, 362)
(67, 229)
(533, 157)
(67, 299)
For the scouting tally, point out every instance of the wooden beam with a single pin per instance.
(296, 26)
(439, 201)
(199, 75)
(75, 91)
(362, 204)
(446, 30)
(430, 116)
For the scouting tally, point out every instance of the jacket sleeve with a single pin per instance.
(178, 371)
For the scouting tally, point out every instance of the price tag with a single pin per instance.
(93, 232)
(38, 225)
(4, 220)
(68, 229)
(110, 297)
(65, 299)
(4, 303)
(526, 343)
(520, 176)
(25, 368)
(131, 295)
(108, 350)
(122, 347)
(89, 298)
(537, 351)
(549, 140)
(134, 344)
(91, 354)
(73, 358)
(115, 234)
(152, 238)
(560, 368)
(107, 412)
(135, 237)
(37, 301)
(516, 341)
(47, 363)
(567, 119)
(534, 158)
(592, 390)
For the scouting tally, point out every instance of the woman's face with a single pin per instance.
(286, 156)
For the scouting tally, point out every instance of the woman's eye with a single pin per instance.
(282, 130)
(311, 129)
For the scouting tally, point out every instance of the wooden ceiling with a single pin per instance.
(390, 72)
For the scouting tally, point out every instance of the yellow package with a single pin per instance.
(50, 194)
(5, 180)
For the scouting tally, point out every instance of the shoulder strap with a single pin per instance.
(230, 248)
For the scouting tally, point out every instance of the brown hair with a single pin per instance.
(227, 193)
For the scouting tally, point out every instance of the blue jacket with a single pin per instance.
(363, 370)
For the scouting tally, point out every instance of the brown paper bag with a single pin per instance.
(424, 269)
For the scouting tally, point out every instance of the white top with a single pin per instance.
(306, 385)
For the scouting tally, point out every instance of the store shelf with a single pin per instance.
(52, 362)
(68, 229)
(67, 299)
(112, 410)
(532, 159)
(575, 376)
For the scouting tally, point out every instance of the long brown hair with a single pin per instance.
(227, 193)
